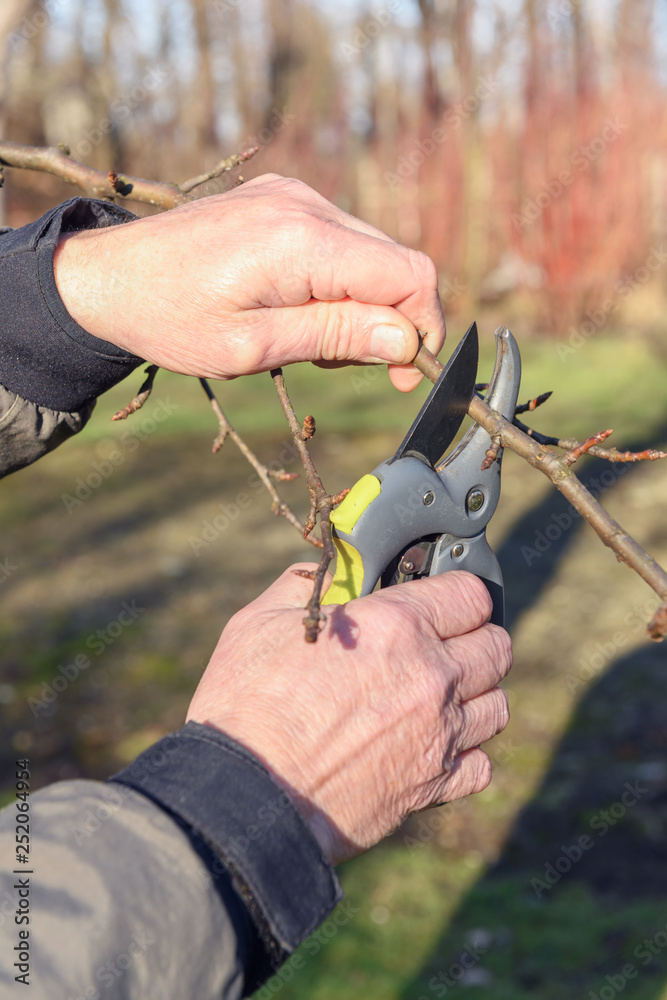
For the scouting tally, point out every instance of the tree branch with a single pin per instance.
(224, 166)
(108, 185)
(278, 505)
(561, 475)
(569, 444)
(320, 503)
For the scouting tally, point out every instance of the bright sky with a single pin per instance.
(145, 22)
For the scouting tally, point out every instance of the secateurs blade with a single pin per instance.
(415, 515)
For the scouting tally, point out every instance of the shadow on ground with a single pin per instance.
(576, 904)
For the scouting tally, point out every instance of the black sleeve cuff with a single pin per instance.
(46, 357)
(229, 799)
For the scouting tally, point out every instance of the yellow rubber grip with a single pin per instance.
(349, 576)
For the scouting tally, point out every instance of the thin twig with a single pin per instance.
(610, 454)
(540, 457)
(226, 430)
(320, 503)
(141, 397)
(571, 456)
(492, 453)
(223, 167)
(533, 403)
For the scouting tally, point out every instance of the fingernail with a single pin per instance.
(389, 343)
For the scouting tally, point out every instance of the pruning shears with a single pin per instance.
(417, 514)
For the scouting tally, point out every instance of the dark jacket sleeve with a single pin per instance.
(51, 369)
(190, 873)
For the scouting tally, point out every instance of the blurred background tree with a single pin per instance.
(521, 144)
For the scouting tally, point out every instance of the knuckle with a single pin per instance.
(483, 771)
(502, 710)
(268, 178)
(249, 353)
(424, 269)
(474, 775)
(338, 337)
(474, 594)
(502, 648)
(295, 186)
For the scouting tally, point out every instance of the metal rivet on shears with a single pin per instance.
(457, 550)
(475, 500)
(429, 497)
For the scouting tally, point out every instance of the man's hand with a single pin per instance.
(267, 274)
(381, 718)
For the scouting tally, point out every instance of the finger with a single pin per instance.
(483, 718)
(447, 605)
(341, 256)
(407, 377)
(403, 377)
(369, 269)
(471, 773)
(482, 659)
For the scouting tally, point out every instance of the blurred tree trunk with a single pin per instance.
(431, 97)
(12, 14)
(203, 104)
(283, 55)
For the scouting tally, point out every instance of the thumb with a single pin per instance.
(347, 330)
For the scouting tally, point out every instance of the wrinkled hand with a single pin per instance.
(266, 274)
(381, 718)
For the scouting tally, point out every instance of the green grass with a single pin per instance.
(395, 940)
(611, 380)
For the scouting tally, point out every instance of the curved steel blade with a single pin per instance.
(440, 417)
